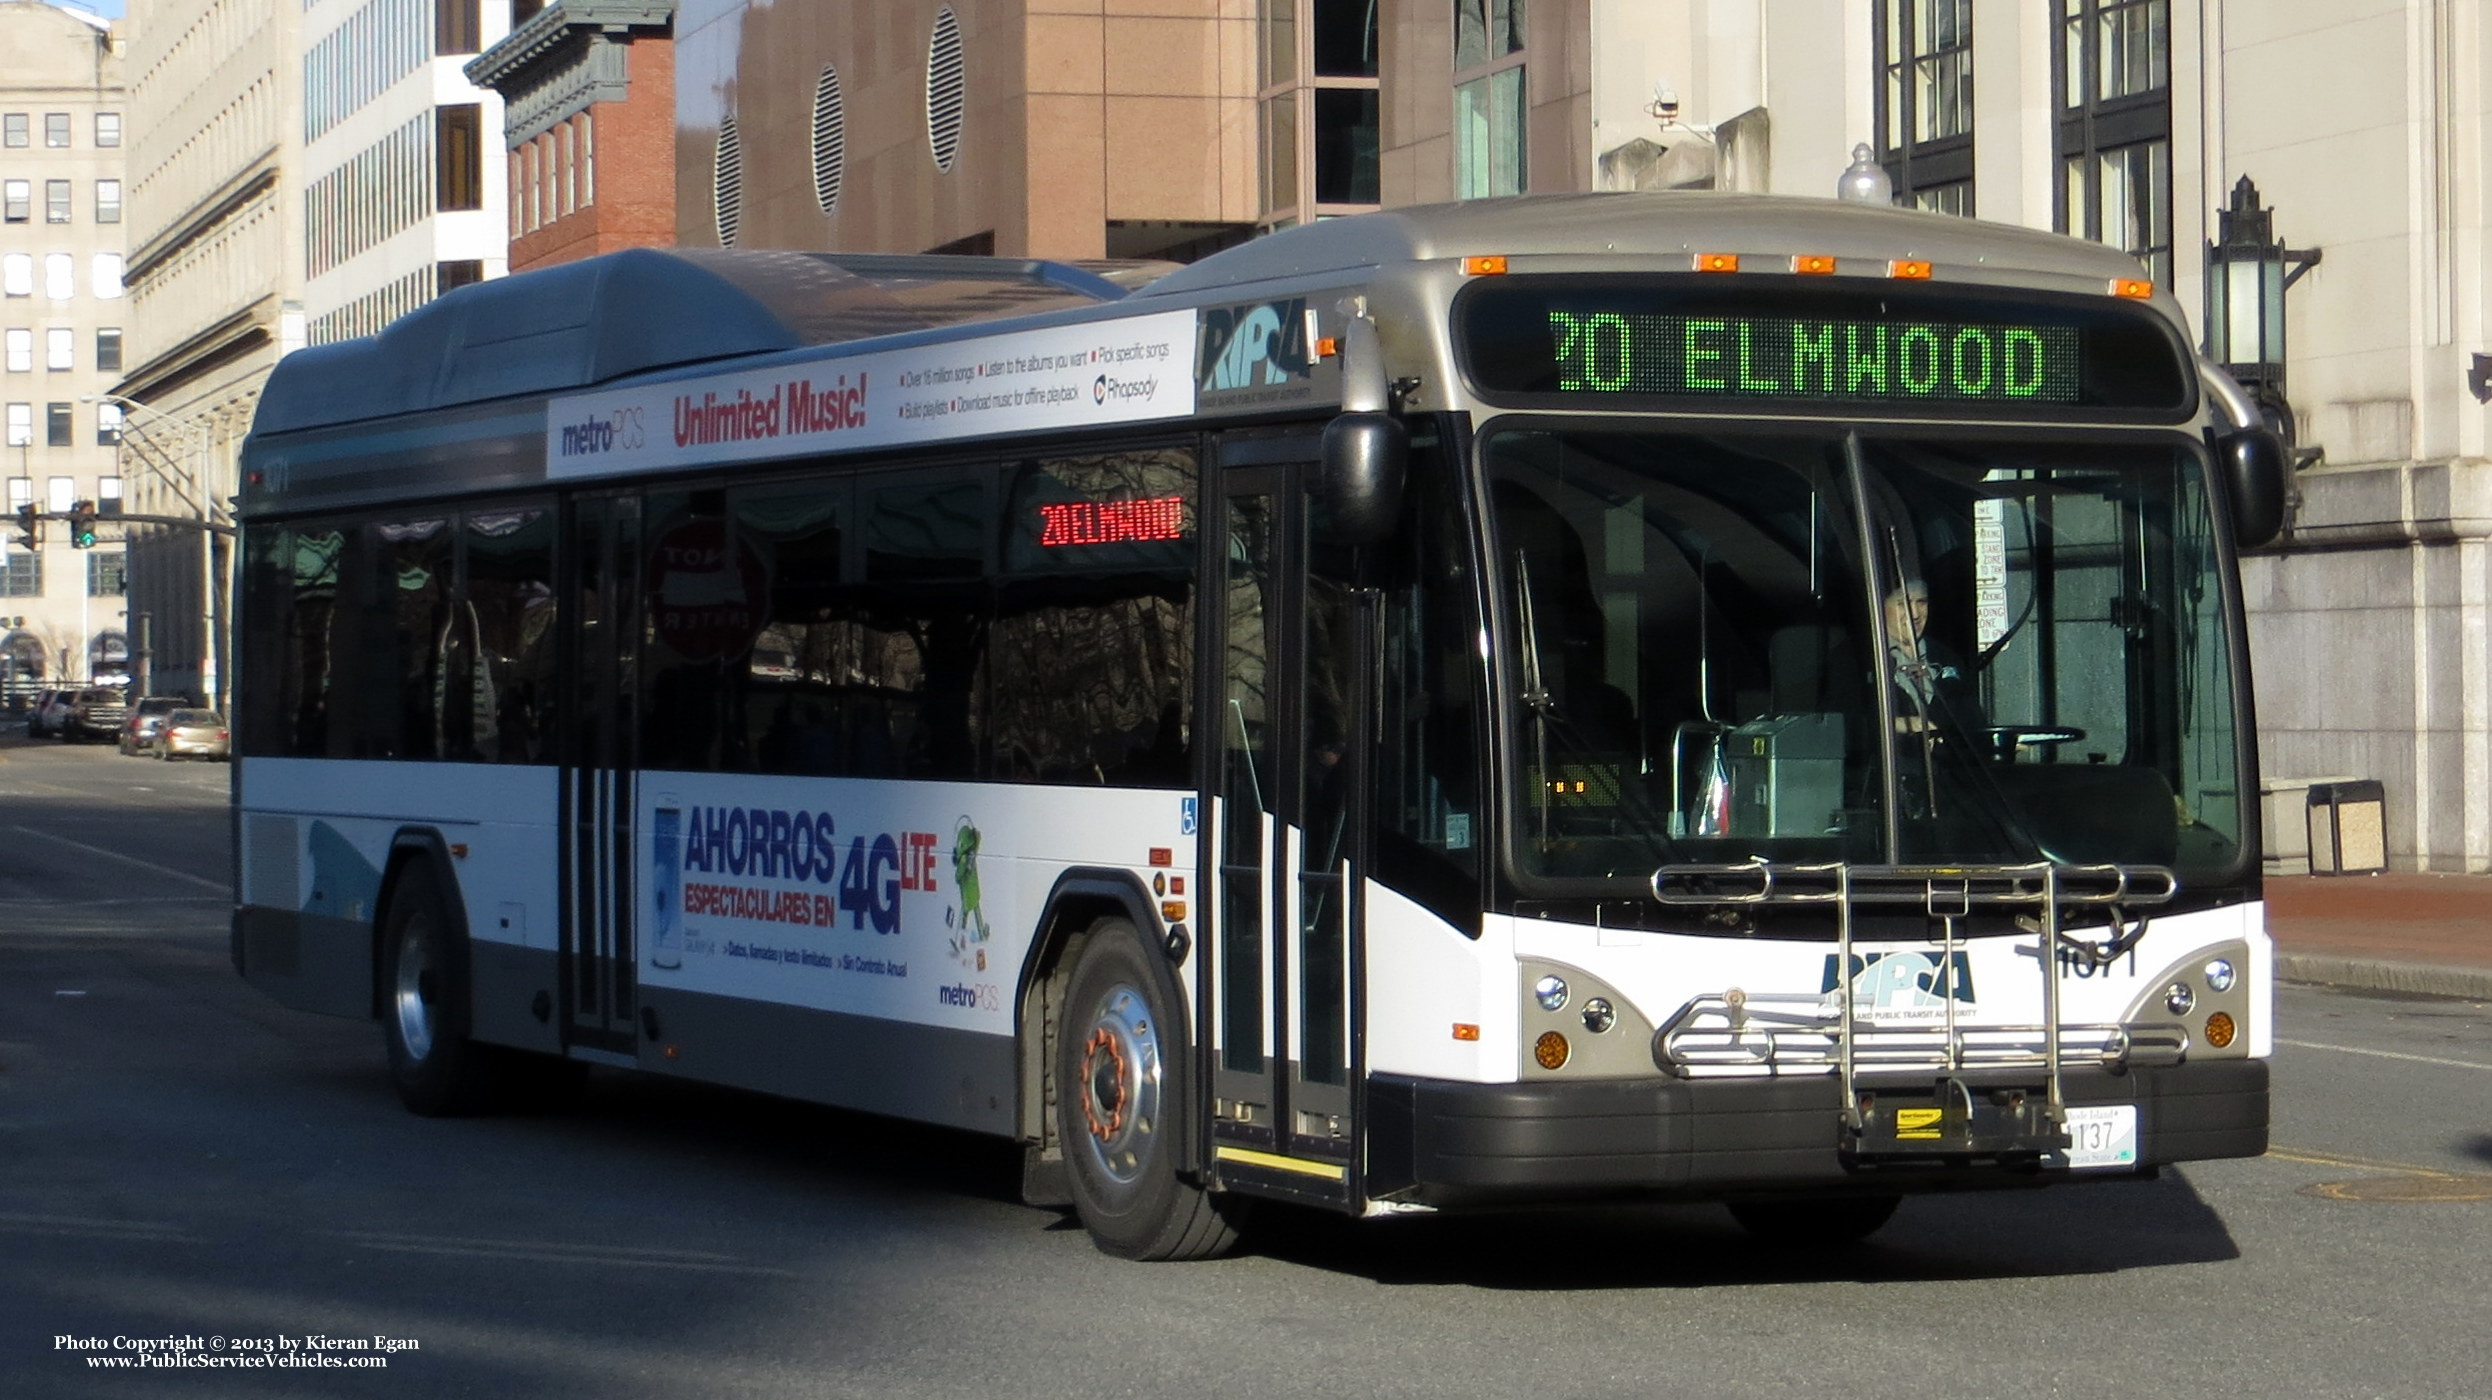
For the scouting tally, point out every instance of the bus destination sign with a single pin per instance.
(1793, 344)
(1739, 356)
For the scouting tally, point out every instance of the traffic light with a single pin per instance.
(82, 524)
(30, 526)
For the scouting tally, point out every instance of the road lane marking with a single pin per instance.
(89, 1228)
(182, 875)
(2386, 1054)
(2337, 1159)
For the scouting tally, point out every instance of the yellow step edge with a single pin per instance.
(1249, 1157)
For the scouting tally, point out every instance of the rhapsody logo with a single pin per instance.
(1106, 387)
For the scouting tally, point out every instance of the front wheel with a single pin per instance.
(438, 1070)
(1117, 1110)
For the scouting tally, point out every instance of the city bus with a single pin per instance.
(1639, 697)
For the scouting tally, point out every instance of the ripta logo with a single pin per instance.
(1904, 981)
(1254, 347)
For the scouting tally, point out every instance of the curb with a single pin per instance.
(2372, 975)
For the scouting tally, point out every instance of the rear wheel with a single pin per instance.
(438, 1070)
(1822, 1222)
(1117, 1110)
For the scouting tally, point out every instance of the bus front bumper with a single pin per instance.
(1443, 1143)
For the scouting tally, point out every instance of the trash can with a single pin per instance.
(2348, 828)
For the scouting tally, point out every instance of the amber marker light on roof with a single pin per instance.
(1910, 269)
(2137, 288)
(1487, 265)
(1717, 262)
(1812, 264)
(1464, 1030)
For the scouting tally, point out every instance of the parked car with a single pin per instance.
(96, 714)
(147, 714)
(50, 718)
(194, 734)
(35, 713)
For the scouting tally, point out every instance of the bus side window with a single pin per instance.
(788, 687)
(499, 706)
(1093, 645)
(921, 619)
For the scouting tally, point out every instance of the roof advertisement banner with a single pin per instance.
(1066, 378)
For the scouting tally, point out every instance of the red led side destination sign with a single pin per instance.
(1074, 523)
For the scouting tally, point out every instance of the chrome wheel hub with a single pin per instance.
(1119, 1085)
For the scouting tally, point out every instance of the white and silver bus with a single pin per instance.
(1680, 697)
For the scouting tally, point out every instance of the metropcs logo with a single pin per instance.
(1904, 983)
(619, 431)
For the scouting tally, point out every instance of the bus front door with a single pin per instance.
(1287, 798)
(599, 721)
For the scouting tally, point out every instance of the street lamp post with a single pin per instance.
(2248, 271)
(189, 481)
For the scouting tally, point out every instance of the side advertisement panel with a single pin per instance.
(910, 902)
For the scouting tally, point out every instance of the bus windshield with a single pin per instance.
(1913, 647)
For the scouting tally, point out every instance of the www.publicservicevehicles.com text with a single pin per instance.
(312, 1349)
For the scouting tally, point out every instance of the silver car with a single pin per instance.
(193, 734)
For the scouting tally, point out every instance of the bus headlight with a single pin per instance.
(2178, 998)
(1599, 1015)
(1550, 992)
(2219, 975)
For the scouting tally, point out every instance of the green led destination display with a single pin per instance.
(1624, 353)
(1795, 345)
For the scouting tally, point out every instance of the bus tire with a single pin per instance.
(439, 1072)
(1115, 1114)
(1821, 1222)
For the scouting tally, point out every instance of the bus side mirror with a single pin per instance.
(1366, 457)
(2256, 467)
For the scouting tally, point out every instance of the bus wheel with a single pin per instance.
(438, 1070)
(1114, 1104)
(1800, 1223)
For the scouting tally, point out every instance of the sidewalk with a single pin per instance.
(2429, 934)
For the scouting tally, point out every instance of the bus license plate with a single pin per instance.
(2102, 1136)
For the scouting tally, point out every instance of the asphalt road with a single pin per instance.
(181, 1157)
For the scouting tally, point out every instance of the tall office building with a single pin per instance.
(62, 317)
(216, 296)
(402, 159)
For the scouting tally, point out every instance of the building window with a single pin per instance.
(22, 575)
(449, 276)
(108, 348)
(458, 26)
(56, 130)
(21, 351)
(2112, 73)
(60, 425)
(17, 200)
(1489, 113)
(108, 495)
(108, 201)
(13, 125)
(1925, 102)
(21, 432)
(108, 128)
(17, 274)
(108, 573)
(459, 157)
(1320, 108)
(56, 201)
(107, 276)
(108, 426)
(21, 493)
(60, 493)
(60, 348)
(60, 276)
